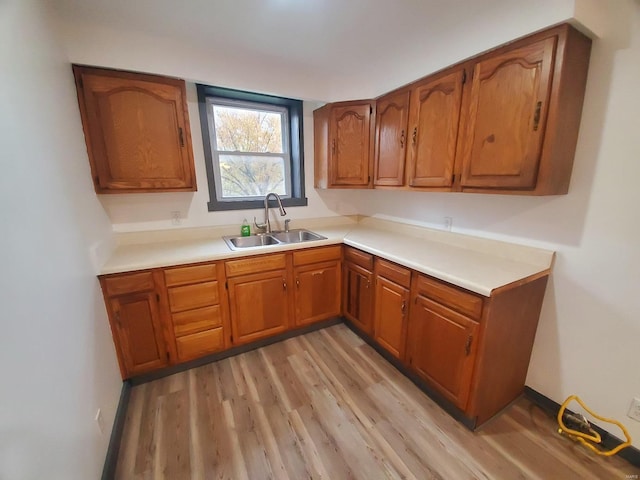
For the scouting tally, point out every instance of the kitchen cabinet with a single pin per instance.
(317, 274)
(358, 290)
(441, 343)
(391, 306)
(506, 117)
(343, 144)
(434, 121)
(198, 309)
(392, 113)
(259, 300)
(505, 121)
(137, 131)
(132, 303)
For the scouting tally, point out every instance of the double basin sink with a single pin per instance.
(273, 238)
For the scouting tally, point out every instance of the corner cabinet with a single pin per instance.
(343, 144)
(137, 131)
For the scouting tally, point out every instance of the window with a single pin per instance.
(253, 146)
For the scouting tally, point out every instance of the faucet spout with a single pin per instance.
(267, 223)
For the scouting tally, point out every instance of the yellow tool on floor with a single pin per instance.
(580, 429)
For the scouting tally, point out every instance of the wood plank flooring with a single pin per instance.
(326, 405)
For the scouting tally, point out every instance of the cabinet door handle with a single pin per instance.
(118, 318)
(536, 116)
(414, 136)
(181, 136)
(333, 146)
(284, 284)
(467, 346)
(368, 283)
(402, 139)
(404, 306)
(298, 282)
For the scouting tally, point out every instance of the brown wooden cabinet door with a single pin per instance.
(317, 293)
(349, 145)
(137, 131)
(507, 116)
(358, 296)
(441, 348)
(390, 315)
(259, 305)
(434, 122)
(136, 322)
(392, 112)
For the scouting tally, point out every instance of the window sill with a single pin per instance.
(214, 206)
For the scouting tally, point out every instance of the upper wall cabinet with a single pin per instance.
(137, 131)
(343, 136)
(435, 116)
(505, 121)
(392, 114)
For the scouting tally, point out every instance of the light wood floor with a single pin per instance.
(326, 405)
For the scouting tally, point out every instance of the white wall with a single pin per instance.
(57, 360)
(589, 333)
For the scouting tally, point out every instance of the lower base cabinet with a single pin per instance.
(441, 348)
(136, 325)
(391, 306)
(259, 299)
(317, 275)
(473, 351)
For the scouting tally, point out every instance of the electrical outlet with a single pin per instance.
(176, 217)
(634, 409)
(448, 223)
(100, 421)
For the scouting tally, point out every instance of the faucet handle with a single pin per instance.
(286, 224)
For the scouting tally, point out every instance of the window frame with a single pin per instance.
(295, 145)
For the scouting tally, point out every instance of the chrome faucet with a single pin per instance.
(267, 224)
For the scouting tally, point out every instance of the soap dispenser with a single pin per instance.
(245, 229)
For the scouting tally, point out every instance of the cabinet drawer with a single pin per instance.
(315, 255)
(255, 264)
(193, 296)
(359, 257)
(400, 275)
(199, 344)
(192, 321)
(130, 283)
(453, 297)
(183, 275)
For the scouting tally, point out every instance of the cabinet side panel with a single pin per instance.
(320, 147)
(565, 112)
(508, 330)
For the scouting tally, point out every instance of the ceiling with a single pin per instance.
(353, 39)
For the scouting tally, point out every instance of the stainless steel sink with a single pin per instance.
(274, 238)
(297, 236)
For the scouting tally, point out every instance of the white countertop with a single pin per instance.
(473, 263)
